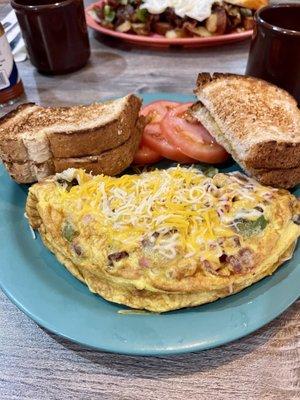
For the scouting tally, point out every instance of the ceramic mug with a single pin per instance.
(275, 48)
(55, 34)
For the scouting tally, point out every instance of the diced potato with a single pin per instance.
(217, 22)
(201, 31)
(125, 27)
(235, 17)
(161, 28)
(248, 23)
(171, 34)
(233, 11)
(140, 29)
(176, 33)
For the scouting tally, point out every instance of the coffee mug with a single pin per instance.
(55, 34)
(275, 48)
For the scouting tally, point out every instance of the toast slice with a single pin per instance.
(36, 142)
(37, 134)
(110, 162)
(255, 121)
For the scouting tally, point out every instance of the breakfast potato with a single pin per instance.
(217, 22)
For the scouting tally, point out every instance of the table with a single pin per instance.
(37, 365)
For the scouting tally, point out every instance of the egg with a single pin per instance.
(164, 239)
(198, 10)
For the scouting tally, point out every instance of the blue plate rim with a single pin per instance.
(150, 352)
(161, 351)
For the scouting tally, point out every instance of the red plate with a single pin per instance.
(161, 41)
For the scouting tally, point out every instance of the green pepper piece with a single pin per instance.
(246, 12)
(109, 13)
(249, 228)
(68, 231)
(142, 14)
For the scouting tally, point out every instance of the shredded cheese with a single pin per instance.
(187, 209)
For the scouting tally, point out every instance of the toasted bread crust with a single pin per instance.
(16, 111)
(281, 178)
(205, 78)
(94, 141)
(110, 162)
(259, 122)
(29, 172)
(272, 154)
(13, 149)
(33, 139)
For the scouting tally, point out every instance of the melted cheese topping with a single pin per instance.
(174, 211)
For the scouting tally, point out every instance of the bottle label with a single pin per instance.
(8, 70)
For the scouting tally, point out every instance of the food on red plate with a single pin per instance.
(145, 155)
(154, 139)
(177, 18)
(191, 137)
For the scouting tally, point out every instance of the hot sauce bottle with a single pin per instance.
(11, 86)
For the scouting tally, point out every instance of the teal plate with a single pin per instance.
(44, 290)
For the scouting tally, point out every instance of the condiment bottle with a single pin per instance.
(11, 86)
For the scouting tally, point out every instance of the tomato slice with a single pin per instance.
(191, 138)
(153, 138)
(145, 155)
(156, 111)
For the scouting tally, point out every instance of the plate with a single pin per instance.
(160, 41)
(44, 290)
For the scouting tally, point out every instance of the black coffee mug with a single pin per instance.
(55, 34)
(275, 48)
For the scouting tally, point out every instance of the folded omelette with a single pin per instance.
(165, 239)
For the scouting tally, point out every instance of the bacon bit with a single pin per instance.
(223, 258)
(146, 242)
(209, 268)
(143, 262)
(220, 241)
(243, 262)
(258, 208)
(149, 241)
(236, 241)
(117, 256)
(77, 249)
(226, 207)
(170, 232)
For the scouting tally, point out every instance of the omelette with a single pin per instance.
(165, 239)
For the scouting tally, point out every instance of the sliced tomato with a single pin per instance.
(145, 155)
(153, 138)
(156, 111)
(191, 138)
